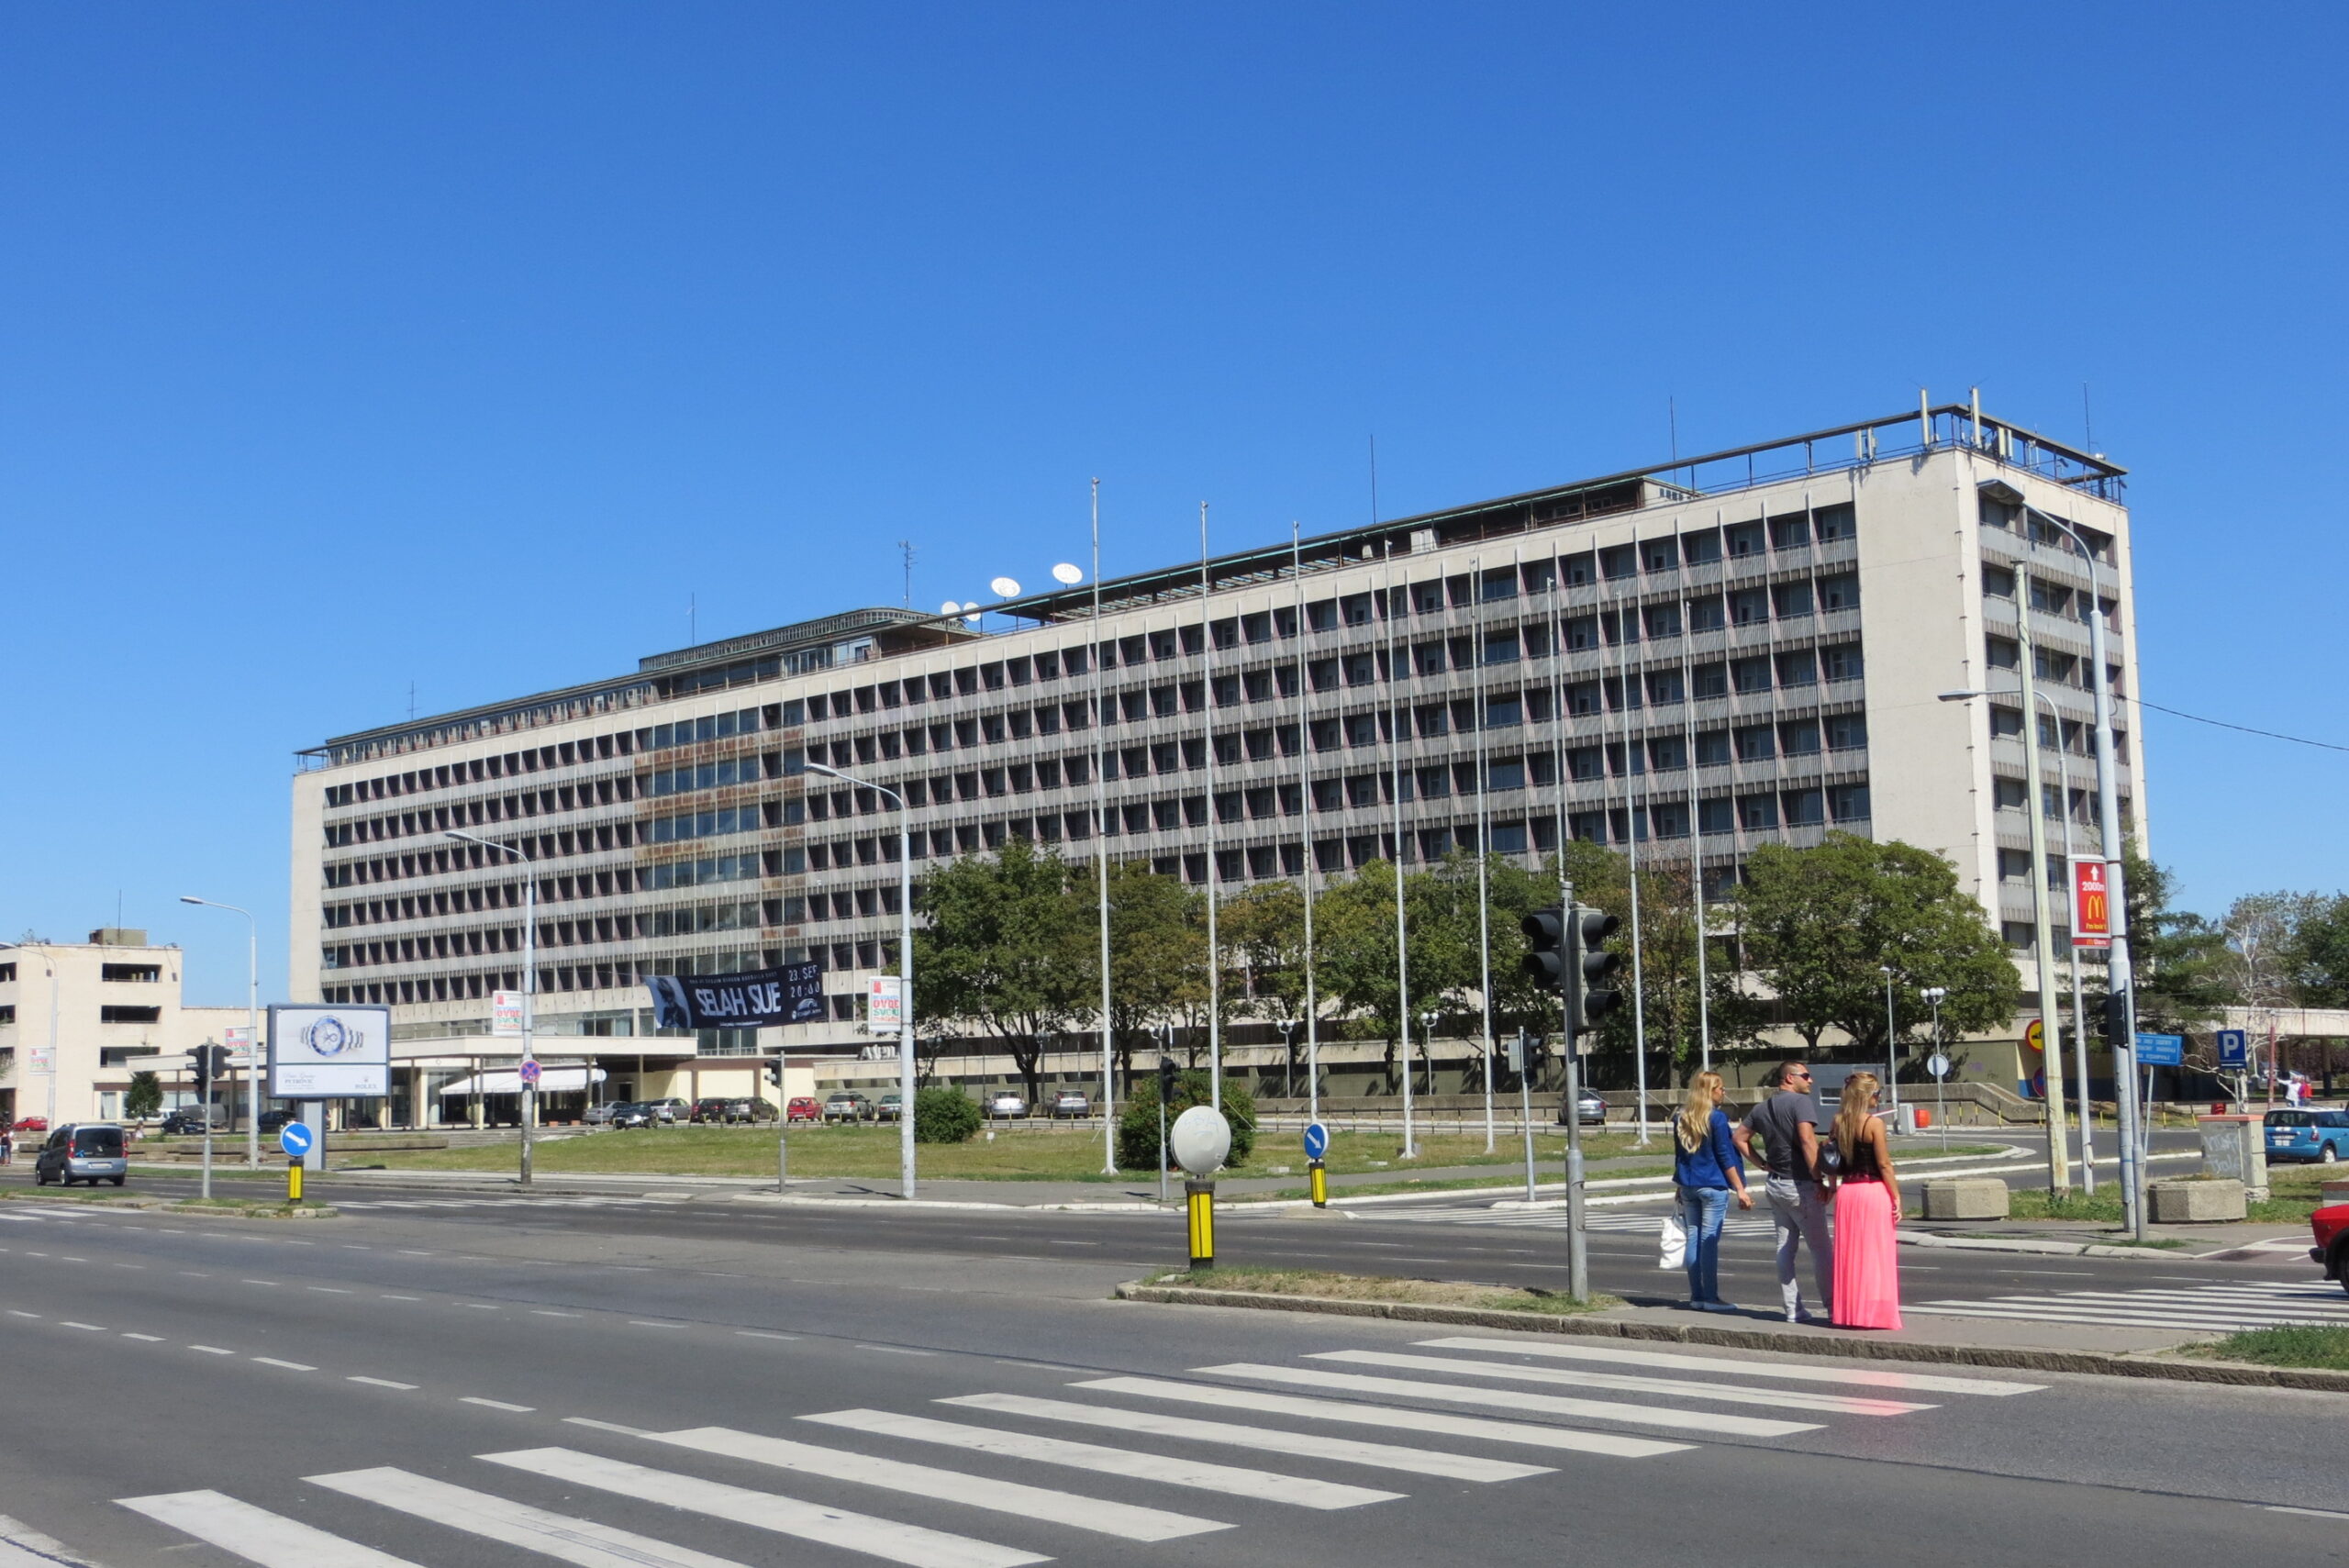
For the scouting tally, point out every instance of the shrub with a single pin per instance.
(943, 1115)
(1138, 1127)
(144, 1098)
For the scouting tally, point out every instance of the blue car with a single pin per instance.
(2320, 1136)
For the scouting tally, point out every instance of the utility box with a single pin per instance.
(2235, 1147)
(1966, 1197)
(2197, 1201)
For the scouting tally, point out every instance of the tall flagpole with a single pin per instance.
(1101, 863)
(1483, 856)
(1624, 678)
(1304, 831)
(1695, 827)
(1394, 786)
(1207, 714)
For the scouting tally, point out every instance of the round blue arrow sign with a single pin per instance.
(1317, 1142)
(294, 1138)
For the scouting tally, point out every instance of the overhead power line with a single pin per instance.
(2244, 728)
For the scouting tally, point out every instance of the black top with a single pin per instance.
(1861, 1165)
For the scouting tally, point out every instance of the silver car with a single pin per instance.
(86, 1152)
(1004, 1105)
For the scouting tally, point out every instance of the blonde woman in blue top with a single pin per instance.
(1707, 1171)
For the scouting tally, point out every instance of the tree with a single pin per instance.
(1138, 1123)
(2262, 960)
(1355, 930)
(2177, 958)
(1817, 924)
(1005, 949)
(144, 1097)
(1264, 935)
(1157, 958)
(2321, 954)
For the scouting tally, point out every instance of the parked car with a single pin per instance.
(710, 1108)
(2331, 1226)
(32, 1124)
(803, 1108)
(187, 1121)
(1004, 1105)
(668, 1112)
(847, 1106)
(1071, 1102)
(599, 1116)
(632, 1113)
(747, 1112)
(890, 1109)
(1592, 1106)
(2320, 1136)
(89, 1151)
(277, 1121)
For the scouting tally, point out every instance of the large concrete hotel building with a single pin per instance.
(1749, 643)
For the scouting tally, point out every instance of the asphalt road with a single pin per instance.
(522, 1379)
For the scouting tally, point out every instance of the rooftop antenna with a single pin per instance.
(2087, 419)
(1672, 418)
(1374, 488)
(693, 619)
(411, 702)
(905, 548)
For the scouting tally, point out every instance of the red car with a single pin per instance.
(803, 1108)
(2332, 1248)
(32, 1124)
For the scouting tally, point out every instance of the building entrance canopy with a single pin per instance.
(552, 1081)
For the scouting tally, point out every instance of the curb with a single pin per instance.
(2238, 1374)
(783, 1200)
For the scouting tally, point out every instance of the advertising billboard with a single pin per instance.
(329, 1052)
(2091, 908)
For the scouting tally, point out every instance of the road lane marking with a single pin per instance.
(762, 1334)
(895, 1351)
(1744, 1367)
(256, 1534)
(14, 1312)
(147, 1339)
(212, 1350)
(1262, 1484)
(1517, 1399)
(606, 1426)
(93, 1328)
(1122, 1519)
(1312, 1445)
(327, 1289)
(383, 1383)
(290, 1366)
(403, 1299)
(496, 1404)
(889, 1539)
(546, 1312)
(1484, 1427)
(646, 1323)
(1678, 1388)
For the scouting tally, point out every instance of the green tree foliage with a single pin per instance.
(2180, 958)
(943, 1115)
(144, 1098)
(1005, 949)
(2321, 955)
(1137, 1124)
(1816, 924)
(1157, 951)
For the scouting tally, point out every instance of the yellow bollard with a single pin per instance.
(1200, 1198)
(1316, 1178)
(293, 1182)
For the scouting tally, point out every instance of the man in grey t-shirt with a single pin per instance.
(1788, 1124)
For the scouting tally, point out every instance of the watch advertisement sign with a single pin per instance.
(329, 1052)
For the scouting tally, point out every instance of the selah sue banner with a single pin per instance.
(754, 999)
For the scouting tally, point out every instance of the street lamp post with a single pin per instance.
(1934, 994)
(529, 990)
(905, 972)
(1891, 1045)
(1427, 1035)
(252, 1030)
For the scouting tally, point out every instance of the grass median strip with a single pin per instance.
(2289, 1344)
(1382, 1287)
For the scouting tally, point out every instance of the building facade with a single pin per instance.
(78, 1018)
(1739, 649)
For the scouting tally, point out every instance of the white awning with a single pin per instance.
(552, 1081)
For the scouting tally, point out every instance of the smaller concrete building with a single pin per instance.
(78, 1018)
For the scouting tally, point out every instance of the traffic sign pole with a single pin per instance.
(1316, 1176)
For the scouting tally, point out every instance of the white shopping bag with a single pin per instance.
(1675, 1253)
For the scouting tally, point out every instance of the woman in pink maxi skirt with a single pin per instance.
(1867, 1207)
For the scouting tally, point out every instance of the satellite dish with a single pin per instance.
(1200, 1140)
(1004, 588)
(970, 612)
(949, 608)
(1065, 574)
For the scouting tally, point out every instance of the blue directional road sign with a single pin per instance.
(2161, 1050)
(2235, 1049)
(1317, 1142)
(296, 1140)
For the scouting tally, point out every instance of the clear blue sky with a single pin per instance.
(346, 346)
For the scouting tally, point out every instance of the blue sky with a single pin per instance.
(351, 346)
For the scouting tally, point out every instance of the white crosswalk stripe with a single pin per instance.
(2218, 1307)
(256, 1534)
(1516, 1399)
(1432, 1422)
(1264, 1486)
(1124, 1520)
(1312, 1445)
(910, 1544)
(1678, 1388)
(1927, 1382)
(1543, 1434)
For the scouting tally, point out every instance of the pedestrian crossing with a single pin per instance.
(2222, 1307)
(997, 1478)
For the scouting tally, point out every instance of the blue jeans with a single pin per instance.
(1701, 1211)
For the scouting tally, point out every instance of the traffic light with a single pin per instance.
(1545, 957)
(2116, 1019)
(774, 1072)
(1590, 968)
(1165, 1079)
(210, 1063)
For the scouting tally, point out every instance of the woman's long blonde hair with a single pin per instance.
(1852, 1116)
(1695, 1122)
